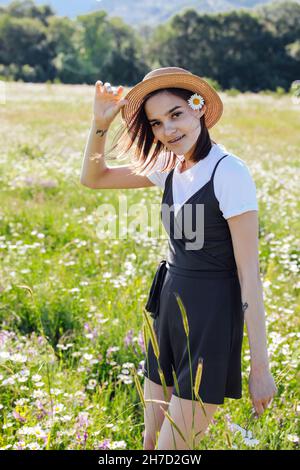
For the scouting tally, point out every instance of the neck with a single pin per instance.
(186, 163)
(187, 156)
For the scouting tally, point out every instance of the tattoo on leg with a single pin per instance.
(244, 306)
(101, 132)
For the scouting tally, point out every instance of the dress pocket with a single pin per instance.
(152, 305)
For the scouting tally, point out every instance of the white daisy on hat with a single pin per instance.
(196, 101)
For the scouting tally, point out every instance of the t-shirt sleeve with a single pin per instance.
(157, 177)
(234, 187)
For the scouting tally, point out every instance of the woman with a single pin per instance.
(217, 278)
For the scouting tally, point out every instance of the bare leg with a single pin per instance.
(153, 415)
(181, 411)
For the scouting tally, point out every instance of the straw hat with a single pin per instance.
(174, 77)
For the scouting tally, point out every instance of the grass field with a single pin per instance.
(71, 306)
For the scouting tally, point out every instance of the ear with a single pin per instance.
(201, 111)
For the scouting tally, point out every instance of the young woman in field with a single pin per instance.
(167, 117)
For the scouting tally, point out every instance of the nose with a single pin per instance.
(169, 131)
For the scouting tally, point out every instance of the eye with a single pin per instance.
(174, 114)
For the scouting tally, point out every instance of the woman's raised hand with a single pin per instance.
(107, 102)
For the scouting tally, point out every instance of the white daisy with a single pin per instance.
(196, 101)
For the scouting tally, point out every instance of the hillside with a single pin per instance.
(150, 12)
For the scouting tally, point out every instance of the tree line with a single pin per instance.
(248, 51)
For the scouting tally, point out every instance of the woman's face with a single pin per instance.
(171, 117)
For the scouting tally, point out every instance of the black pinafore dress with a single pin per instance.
(207, 282)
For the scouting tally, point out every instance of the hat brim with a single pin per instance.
(188, 81)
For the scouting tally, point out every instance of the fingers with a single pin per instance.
(261, 405)
(107, 88)
(98, 86)
(259, 409)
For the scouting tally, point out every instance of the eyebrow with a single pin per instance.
(168, 112)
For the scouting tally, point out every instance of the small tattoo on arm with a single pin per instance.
(244, 306)
(101, 132)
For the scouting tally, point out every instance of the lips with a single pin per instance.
(174, 141)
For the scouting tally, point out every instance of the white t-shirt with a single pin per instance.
(233, 184)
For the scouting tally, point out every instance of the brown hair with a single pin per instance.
(140, 131)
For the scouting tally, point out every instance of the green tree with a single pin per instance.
(282, 19)
(110, 49)
(28, 9)
(236, 49)
(24, 42)
(64, 38)
(124, 64)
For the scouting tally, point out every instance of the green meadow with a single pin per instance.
(71, 301)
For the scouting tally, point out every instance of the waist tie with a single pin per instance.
(227, 274)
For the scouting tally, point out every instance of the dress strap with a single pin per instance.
(169, 178)
(213, 173)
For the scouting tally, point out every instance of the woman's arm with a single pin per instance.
(95, 174)
(244, 233)
(93, 165)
